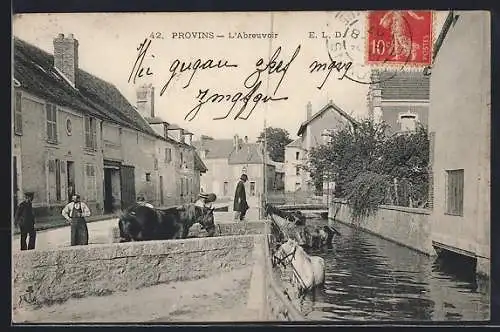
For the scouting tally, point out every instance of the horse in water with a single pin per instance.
(320, 236)
(296, 216)
(308, 270)
(143, 223)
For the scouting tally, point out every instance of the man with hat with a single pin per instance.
(75, 213)
(240, 205)
(25, 219)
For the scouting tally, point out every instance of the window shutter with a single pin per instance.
(52, 166)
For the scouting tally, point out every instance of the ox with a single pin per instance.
(143, 223)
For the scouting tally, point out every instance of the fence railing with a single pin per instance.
(293, 198)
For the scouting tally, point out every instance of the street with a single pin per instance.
(99, 231)
(60, 237)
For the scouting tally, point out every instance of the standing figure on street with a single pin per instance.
(75, 213)
(240, 206)
(25, 219)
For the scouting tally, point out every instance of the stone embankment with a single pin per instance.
(224, 278)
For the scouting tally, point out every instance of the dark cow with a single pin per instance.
(142, 223)
(296, 216)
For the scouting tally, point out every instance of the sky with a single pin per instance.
(109, 44)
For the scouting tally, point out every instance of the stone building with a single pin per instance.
(315, 131)
(177, 157)
(459, 130)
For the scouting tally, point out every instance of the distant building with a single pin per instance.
(316, 130)
(176, 155)
(400, 98)
(227, 159)
(294, 154)
(459, 125)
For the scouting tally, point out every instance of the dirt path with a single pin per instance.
(217, 298)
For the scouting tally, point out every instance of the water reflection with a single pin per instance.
(369, 278)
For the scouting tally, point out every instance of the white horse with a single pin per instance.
(308, 270)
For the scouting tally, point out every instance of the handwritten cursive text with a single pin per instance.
(205, 96)
(177, 67)
(138, 70)
(272, 67)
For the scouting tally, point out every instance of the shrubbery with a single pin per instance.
(371, 168)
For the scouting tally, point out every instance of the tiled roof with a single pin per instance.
(34, 69)
(329, 106)
(216, 148)
(248, 153)
(413, 85)
(295, 144)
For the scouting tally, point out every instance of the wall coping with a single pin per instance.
(393, 207)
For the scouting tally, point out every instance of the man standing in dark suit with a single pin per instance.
(240, 206)
(25, 219)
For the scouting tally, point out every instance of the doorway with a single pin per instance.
(70, 171)
(161, 190)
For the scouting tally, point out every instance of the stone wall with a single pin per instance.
(410, 227)
(43, 277)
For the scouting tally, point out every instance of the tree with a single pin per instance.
(277, 139)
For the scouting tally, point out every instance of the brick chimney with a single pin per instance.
(309, 111)
(66, 56)
(146, 100)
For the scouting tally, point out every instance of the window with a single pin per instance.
(155, 164)
(297, 155)
(455, 192)
(182, 160)
(297, 186)
(225, 188)
(90, 182)
(148, 177)
(297, 171)
(18, 115)
(252, 188)
(51, 111)
(168, 155)
(90, 133)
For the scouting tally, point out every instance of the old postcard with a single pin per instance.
(251, 167)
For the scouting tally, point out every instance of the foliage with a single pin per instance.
(363, 161)
(277, 139)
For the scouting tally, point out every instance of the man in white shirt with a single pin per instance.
(75, 213)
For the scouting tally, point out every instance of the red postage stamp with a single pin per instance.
(399, 37)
